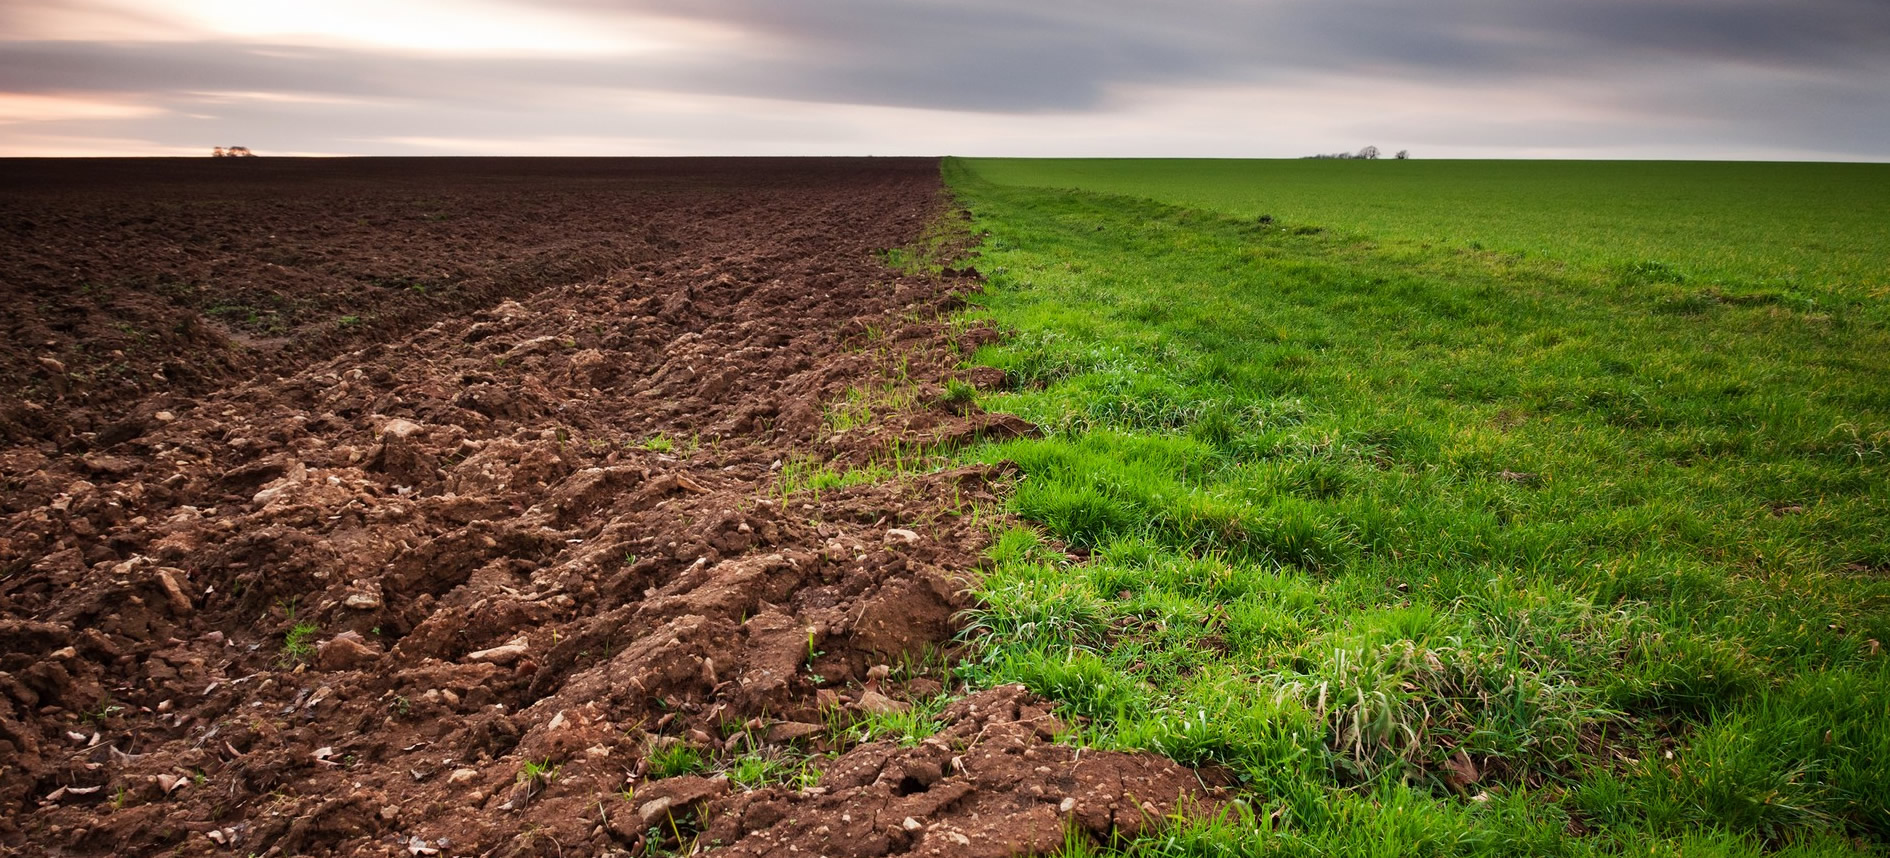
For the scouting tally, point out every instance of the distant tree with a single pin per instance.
(241, 152)
(217, 152)
(1367, 153)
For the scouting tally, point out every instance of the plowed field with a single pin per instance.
(467, 507)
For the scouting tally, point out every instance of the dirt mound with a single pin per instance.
(991, 784)
(478, 588)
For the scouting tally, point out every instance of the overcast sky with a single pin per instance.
(1766, 79)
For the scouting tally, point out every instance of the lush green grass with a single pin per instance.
(1360, 513)
(1819, 227)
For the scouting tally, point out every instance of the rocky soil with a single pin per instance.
(530, 560)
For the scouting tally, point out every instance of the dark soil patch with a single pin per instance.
(459, 584)
(123, 278)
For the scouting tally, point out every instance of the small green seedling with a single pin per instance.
(536, 774)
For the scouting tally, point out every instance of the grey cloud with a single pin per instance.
(1811, 34)
(1065, 56)
(1805, 74)
(147, 67)
(1053, 56)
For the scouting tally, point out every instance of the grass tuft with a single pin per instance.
(298, 645)
(674, 759)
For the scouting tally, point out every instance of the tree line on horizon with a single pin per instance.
(1369, 153)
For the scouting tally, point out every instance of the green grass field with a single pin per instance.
(1442, 548)
(1784, 226)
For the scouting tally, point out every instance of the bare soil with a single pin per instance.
(465, 575)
